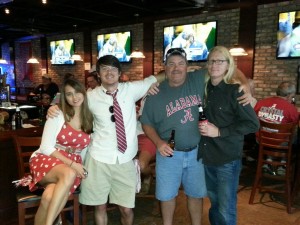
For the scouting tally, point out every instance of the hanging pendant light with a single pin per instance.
(238, 51)
(76, 57)
(33, 60)
(2, 61)
(137, 54)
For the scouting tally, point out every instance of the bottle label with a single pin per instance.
(203, 122)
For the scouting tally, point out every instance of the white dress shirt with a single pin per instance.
(103, 146)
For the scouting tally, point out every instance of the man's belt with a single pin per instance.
(186, 149)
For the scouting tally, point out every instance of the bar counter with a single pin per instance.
(9, 168)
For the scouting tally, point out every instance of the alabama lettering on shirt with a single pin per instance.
(184, 103)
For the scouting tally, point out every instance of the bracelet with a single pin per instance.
(71, 163)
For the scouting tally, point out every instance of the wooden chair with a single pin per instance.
(29, 201)
(275, 141)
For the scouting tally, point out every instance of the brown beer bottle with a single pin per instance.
(18, 118)
(171, 141)
(202, 118)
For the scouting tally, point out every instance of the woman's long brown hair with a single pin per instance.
(86, 117)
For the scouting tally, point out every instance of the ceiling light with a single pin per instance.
(238, 51)
(137, 54)
(3, 61)
(44, 1)
(33, 61)
(6, 10)
(76, 57)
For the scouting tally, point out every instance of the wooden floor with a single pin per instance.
(265, 211)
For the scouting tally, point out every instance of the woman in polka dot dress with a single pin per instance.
(57, 164)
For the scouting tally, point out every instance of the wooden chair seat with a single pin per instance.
(276, 143)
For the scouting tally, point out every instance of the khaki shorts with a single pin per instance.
(113, 182)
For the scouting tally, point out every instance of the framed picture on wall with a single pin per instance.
(298, 80)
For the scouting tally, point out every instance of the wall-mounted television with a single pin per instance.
(288, 35)
(196, 39)
(61, 52)
(117, 44)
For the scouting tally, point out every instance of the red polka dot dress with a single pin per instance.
(73, 141)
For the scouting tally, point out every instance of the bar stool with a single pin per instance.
(275, 142)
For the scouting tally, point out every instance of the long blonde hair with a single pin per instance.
(86, 117)
(228, 77)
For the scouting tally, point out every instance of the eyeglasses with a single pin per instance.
(111, 110)
(109, 68)
(217, 61)
(173, 51)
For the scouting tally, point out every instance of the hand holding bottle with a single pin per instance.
(209, 130)
(166, 148)
(171, 142)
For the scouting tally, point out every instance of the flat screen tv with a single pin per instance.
(288, 35)
(196, 39)
(61, 52)
(117, 44)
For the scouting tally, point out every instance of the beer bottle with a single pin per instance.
(202, 118)
(171, 141)
(18, 118)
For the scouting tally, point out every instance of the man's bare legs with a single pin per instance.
(101, 215)
(195, 207)
(127, 215)
(167, 210)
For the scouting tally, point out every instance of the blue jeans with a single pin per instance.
(222, 184)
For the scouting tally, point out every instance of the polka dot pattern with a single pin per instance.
(41, 164)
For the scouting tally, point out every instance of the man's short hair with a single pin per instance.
(108, 60)
(286, 88)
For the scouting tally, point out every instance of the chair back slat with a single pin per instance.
(24, 147)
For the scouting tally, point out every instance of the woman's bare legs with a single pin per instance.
(58, 183)
(144, 159)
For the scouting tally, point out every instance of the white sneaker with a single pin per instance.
(281, 171)
(267, 169)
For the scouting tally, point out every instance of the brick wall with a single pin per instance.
(268, 71)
